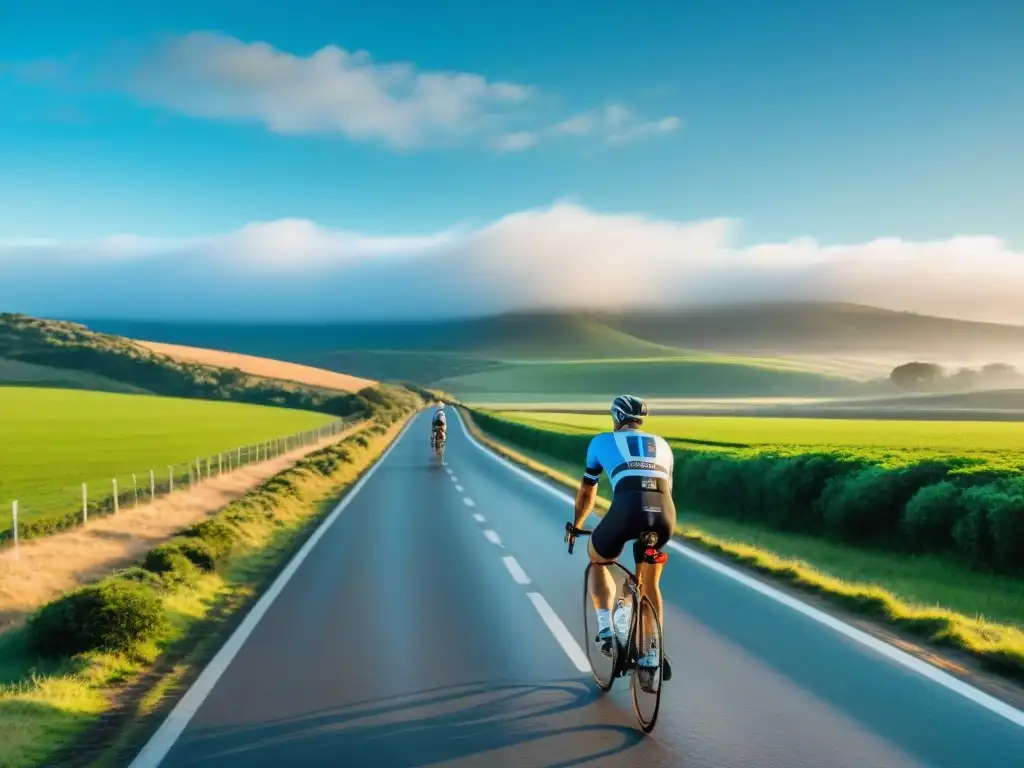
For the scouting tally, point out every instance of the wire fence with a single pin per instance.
(68, 508)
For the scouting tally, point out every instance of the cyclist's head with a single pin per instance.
(627, 409)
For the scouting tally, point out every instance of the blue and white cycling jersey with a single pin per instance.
(628, 454)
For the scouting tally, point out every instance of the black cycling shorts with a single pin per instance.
(632, 512)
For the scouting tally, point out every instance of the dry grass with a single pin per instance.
(261, 366)
(44, 711)
(54, 564)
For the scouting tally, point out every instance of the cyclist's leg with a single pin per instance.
(659, 515)
(606, 543)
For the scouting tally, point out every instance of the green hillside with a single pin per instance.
(69, 355)
(17, 373)
(723, 351)
(669, 377)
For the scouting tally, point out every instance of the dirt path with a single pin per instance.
(54, 564)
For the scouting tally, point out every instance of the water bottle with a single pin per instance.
(621, 620)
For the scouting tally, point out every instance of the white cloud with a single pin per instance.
(512, 142)
(562, 256)
(615, 125)
(333, 90)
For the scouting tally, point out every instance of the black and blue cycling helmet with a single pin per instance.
(627, 408)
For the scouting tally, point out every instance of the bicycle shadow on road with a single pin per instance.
(541, 725)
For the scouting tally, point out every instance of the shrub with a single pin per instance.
(951, 504)
(112, 615)
(195, 551)
(171, 565)
(931, 515)
(216, 533)
(138, 575)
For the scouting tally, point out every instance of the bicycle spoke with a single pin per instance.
(647, 679)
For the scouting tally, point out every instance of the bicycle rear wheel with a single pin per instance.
(602, 666)
(646, 683)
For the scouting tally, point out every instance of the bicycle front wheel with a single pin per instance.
(646, 682)
(602, 663)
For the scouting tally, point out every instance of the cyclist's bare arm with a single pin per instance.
(585, 497)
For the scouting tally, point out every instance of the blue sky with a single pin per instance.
(844, 121)
(805, 148)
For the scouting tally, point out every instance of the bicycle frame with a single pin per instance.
(627, 657)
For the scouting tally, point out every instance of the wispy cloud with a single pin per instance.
(614, 125)
(562, 256)
(333, 90)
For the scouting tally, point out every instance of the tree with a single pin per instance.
(917, 377)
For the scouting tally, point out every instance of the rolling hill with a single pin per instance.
(65, 355)
(809, 350)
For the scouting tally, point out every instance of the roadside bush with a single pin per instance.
(112, 615)
(138, 575)
(197, 552)
(931, 515)
(216, 533)
(173, 568)
(868, 506)
(947, 506)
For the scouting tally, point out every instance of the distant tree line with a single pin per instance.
(66, 345)
(931, 377)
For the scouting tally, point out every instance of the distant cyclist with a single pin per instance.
(438, 426)
(639, 466)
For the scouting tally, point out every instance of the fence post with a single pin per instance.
(14, 515)
(135, 489)
(238, 461)
(116, 506)
(170, 474)
(85, 504)
(209, 467)
(220, 465)
(152, 486)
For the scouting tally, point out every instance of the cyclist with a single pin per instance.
(639, 466)
(438, 426)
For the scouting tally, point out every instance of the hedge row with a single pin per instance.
(944, 506)
(125, 609)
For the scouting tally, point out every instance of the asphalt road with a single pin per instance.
(406, 638)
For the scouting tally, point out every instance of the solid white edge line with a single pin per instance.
(468, 501)
(904, 659)
(161, 742)
(560, 631)
(518, 574)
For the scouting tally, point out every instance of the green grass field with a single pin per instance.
(956, 437)
(54, 440)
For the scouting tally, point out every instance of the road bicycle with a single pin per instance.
(629, 628)
(437, 441)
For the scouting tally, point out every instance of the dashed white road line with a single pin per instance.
(454, 479)
(515, 569)
(459, 488)
(468, 501)
(493, 537)
(478, 517)
(894, 654)
(560, 631)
